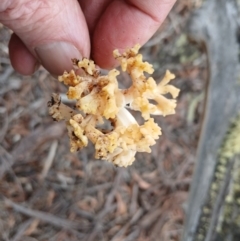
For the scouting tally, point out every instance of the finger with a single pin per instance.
(53, 31)
(21, 58)
(92, 10)
(125, 23)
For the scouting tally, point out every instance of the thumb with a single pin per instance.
(50, 32)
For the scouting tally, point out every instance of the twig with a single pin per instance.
(43, 216)
(120, 233)
(35, 139)
(21, 230)
(119, 220)
(133, 236)
(49, 160)
(6, 161)
(3, 121)
(98, 228)
(138, 214)
(133, 204)
(83, 213)
(111, 195)
(4, 60)
(99, 187)
(105, 211)
(132, 221)
(4, 76)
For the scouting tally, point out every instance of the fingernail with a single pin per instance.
(57, 57)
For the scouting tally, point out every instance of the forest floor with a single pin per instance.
(48, 193)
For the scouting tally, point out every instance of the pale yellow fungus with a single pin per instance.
(98, 99)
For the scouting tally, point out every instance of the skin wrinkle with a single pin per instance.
(32, 21)
(31, 15)
(152, 8)
(155, 18)
(4, 5)
(60, 31)
(21, 10)
(6, 8)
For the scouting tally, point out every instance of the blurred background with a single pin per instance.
(48, 193)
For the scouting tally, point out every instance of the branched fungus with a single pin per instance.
(98, 99)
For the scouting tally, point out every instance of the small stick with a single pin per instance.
(21, 230)
(43, 216)
(49, 160)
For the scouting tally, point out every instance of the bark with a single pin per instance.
(215, 26)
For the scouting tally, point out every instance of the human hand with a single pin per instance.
(52, 32)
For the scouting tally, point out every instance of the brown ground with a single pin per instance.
(48, 193)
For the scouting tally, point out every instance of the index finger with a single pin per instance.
(125, 23)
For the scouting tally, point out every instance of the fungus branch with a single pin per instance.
(98, 98)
